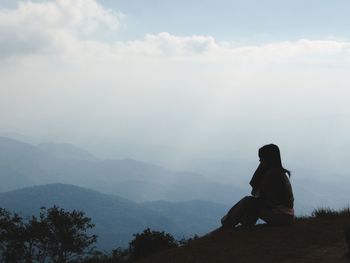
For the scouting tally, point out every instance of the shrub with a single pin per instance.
(328, 212)
(56, 236)
(12, 237)
(184, 241)
(150, 242)
(99, 257)
(118, 255)
(63, 234)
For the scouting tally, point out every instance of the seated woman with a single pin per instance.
(272, 197)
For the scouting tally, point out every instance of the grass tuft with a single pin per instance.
(328, 212)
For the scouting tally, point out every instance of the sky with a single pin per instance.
(172, 81)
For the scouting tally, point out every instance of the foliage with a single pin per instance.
(56, 236)
(150, 242)
(59, 236)
(118, 255)
(98, 257)
(184, 241)
(144, 244)
(328, 212)
(12, 235)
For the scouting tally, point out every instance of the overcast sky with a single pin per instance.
(179, 79)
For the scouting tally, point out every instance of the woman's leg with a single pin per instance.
(274, 218)
(244, 212)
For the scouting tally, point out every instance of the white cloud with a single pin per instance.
(47, 26)
(170, 45)
(192, 92)
(71, 28)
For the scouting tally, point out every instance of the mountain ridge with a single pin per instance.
(23, 164)
(66, 151)
(116, 218)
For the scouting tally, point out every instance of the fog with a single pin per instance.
(169, 99)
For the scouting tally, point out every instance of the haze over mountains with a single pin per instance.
(127, 195)
(25, 165)
(117, 218)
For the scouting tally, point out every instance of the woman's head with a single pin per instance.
(270, 157)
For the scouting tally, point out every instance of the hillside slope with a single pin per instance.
(309, 240)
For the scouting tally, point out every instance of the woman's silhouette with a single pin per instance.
(272, 197)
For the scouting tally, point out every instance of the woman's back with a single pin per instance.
(275, 188)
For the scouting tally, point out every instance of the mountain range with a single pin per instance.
(116, 219)
(126, 196)
(23, 164)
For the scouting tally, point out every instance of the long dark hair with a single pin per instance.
(270, 157)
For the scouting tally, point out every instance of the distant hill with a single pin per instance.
(193, 217)
(23, 164)
(310, 240)
(116, 218)
(66, 151)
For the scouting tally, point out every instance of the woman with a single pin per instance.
(272, 197)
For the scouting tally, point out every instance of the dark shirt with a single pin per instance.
(275, 188)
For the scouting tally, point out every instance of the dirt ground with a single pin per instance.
(311, 240)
